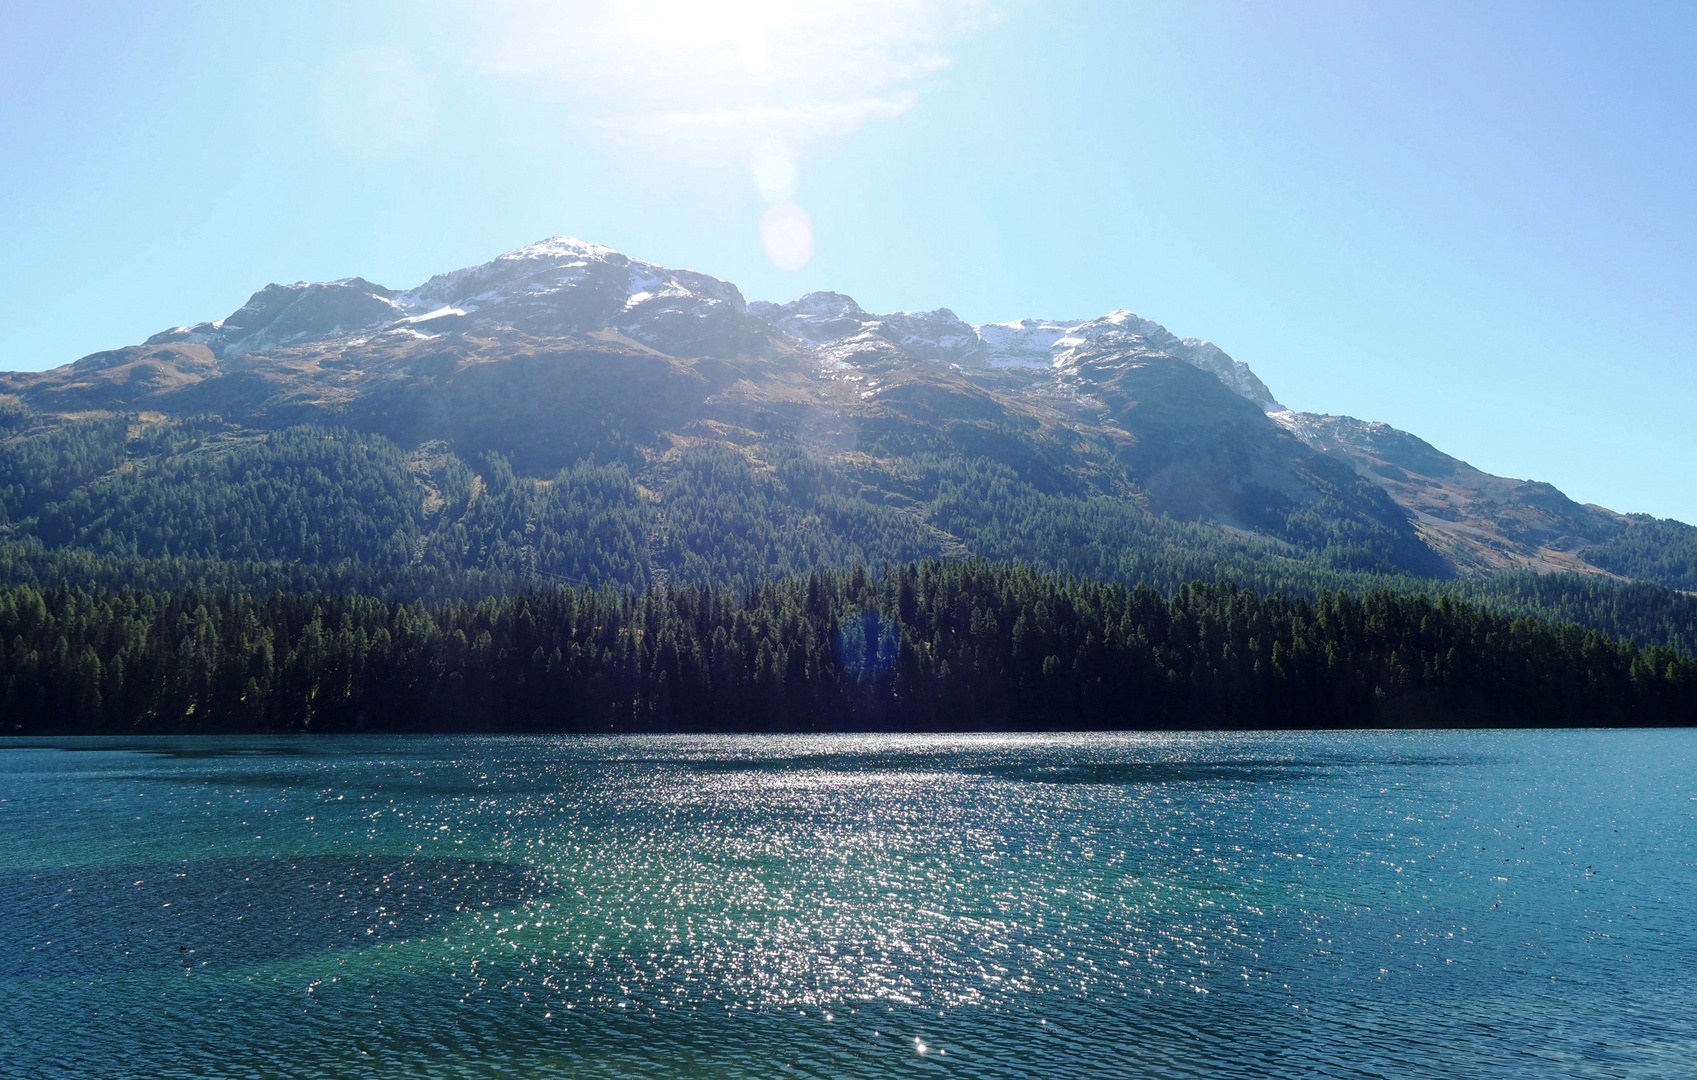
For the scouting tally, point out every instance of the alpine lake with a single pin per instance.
(1361, 904)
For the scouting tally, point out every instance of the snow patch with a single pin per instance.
(439, 313)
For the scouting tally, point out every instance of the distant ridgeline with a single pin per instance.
(930, 646)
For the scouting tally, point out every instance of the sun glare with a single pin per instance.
(743, 84)
(712, 71)
(728, 36)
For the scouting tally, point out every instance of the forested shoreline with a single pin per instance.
(930, 646)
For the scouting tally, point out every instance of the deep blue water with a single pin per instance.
(1467, 904)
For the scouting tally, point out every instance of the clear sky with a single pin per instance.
(1475, 221)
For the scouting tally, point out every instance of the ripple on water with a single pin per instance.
(223, 913)
(1409, 905)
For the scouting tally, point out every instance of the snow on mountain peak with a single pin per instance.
(823, 319)
(833, 304)
(557, 247)
(816, 318)
(1121, 331)
(554, 287)
(564, 286)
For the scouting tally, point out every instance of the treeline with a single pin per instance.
(928, 646)
(1651, 549)
(1631, 610)
(199, 504)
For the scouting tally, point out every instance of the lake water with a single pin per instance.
(1466, 904)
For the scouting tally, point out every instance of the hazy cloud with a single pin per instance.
(711, 75)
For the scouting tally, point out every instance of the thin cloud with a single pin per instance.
(798, 122)
(695, 75)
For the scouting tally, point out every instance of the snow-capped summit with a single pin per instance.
(816, 318)
(1024, 343)
(823, 318)
(563, 286)
(842, 329)
(555, 287)
(281, 315)
(1122, 332)
(933, 335)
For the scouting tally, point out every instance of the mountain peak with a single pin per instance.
(555, 247)
(559, 286)
(825, 318)
(816, 318)
(566, 286)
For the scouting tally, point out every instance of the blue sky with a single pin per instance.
(1474, 221)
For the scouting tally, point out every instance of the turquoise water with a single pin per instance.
(1468, 904)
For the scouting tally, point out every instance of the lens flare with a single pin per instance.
(787, 232)
(774, 174)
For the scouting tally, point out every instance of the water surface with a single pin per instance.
(1364, 904)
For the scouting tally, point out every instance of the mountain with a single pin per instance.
(565, 412)
(1485, 524)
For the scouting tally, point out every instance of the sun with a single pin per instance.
(728, 36)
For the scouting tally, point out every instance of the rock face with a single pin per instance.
(1039, 345)
(281, 315)
(563, 349)
(558, 287)
(564, 286)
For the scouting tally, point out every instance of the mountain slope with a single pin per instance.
(1488, 524)
(564, 411)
